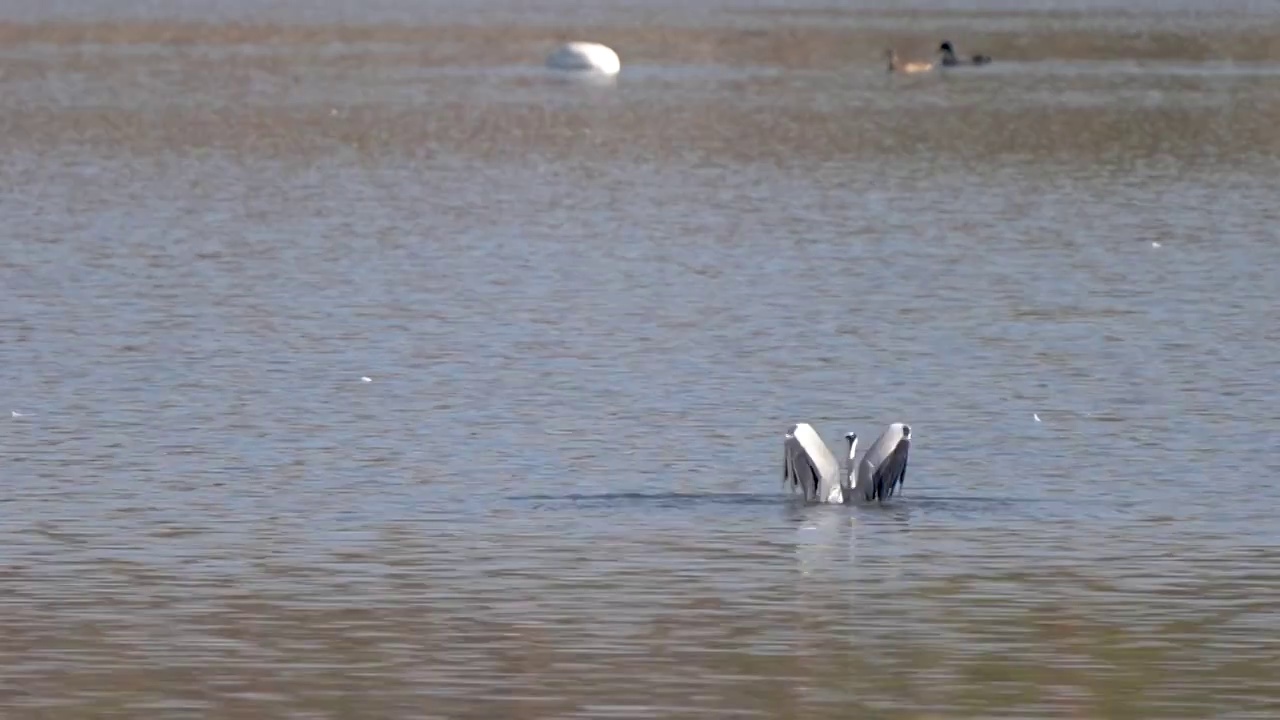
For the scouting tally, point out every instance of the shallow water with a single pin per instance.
(588, 314)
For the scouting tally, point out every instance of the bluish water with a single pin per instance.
(586, 316)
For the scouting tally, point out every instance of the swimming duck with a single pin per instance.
(949, 58)
(910, 67)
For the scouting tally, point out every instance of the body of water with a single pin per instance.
(353, 368)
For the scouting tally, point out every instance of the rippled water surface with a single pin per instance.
(352, 367)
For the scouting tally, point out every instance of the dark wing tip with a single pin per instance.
(796, 463)
(892, 472)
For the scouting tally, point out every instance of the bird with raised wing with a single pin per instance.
(808, 464)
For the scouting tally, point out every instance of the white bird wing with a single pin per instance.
(799, 470)
(884, 466)
(809, 462)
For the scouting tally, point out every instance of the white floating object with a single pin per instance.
(1155, 244)
(365, 378)
(15, 413)
(586, 57)
(1036, 416)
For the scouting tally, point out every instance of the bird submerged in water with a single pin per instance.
(949, 58)
(910, 68)
(809, 465)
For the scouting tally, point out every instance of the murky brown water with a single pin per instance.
(587, 314)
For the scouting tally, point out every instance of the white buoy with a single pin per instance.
(586, 57)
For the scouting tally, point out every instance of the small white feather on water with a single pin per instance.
(1036, 416)
(1155, 244)
(15, 413)
(365, 378)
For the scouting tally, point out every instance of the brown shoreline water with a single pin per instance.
(177, 92)
(215, 229)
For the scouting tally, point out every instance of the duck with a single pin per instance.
(908, 67)
(949, 58)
